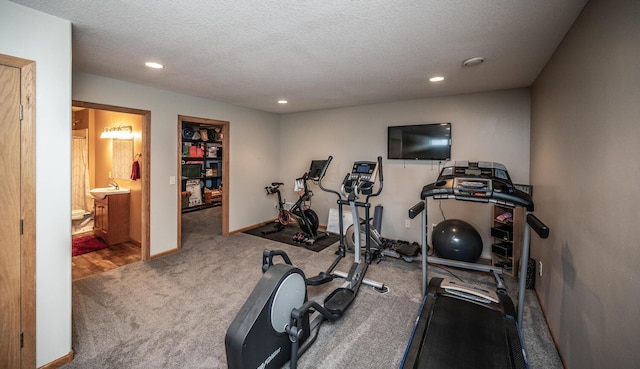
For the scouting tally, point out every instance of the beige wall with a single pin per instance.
(100, 173)
(491, 126)
(253, 151)
(46, 39)
(585, 145)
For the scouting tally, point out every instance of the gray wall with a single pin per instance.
(585, 141)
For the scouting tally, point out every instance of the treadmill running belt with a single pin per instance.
(464, 335)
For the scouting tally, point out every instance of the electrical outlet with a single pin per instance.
(407, 223)
(433, 226)
(275, 204)
(540, 268)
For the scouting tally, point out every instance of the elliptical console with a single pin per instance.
(362, 177)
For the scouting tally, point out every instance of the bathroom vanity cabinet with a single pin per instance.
(111, 218)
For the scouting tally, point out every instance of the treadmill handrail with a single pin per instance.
(416, 209)
(536, 224)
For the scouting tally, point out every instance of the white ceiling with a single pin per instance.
(317, 54)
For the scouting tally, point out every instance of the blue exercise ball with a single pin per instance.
(457, 240)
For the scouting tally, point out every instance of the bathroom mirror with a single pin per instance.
(122, 157)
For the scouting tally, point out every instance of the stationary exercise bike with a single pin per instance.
(278, 323)
(305, 217)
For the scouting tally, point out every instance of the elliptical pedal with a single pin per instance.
(319, 279)
(339, 300)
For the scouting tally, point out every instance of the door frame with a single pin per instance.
(27, 205)
(145, 168)
(225, 170)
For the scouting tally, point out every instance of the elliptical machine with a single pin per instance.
(276, 323)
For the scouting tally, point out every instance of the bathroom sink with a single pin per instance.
(102, 192)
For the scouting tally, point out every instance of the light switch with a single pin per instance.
(172, 180)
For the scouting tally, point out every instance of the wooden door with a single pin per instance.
(10, 218)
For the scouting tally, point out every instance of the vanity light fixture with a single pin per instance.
(436, 79)
(282, 102)
(119, 132)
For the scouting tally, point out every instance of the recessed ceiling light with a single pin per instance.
(154, 65)
(473, 61)
(282, 101)
(436, 79)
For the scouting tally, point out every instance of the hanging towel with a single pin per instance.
(135, 170)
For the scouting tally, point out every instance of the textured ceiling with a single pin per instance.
(316, 54)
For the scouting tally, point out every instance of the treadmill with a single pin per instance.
(460, 325)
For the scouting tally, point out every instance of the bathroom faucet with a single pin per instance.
(114, 184)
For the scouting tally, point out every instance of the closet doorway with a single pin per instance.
(107, 161)
(203, 181)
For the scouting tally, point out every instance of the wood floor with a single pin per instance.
(96, 262)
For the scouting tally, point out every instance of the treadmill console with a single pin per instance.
(472, 187)
(481, 181)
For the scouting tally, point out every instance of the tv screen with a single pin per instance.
(419, 142)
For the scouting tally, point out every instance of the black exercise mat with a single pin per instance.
(287, 233)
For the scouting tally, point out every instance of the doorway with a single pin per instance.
(133, 244)
(18, 226)
(203, 167)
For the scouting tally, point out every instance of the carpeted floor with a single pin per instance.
(287, 233)
(173, 311)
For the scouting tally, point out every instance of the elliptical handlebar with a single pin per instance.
(322, 174)
(326, 165)
(342, 194)
(267, 258)
(342, 189)
(380, 179)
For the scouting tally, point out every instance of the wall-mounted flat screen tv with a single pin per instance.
(419, 142)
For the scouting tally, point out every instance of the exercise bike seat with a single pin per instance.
(339, 300)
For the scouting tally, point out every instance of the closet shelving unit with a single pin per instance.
(201, 175)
